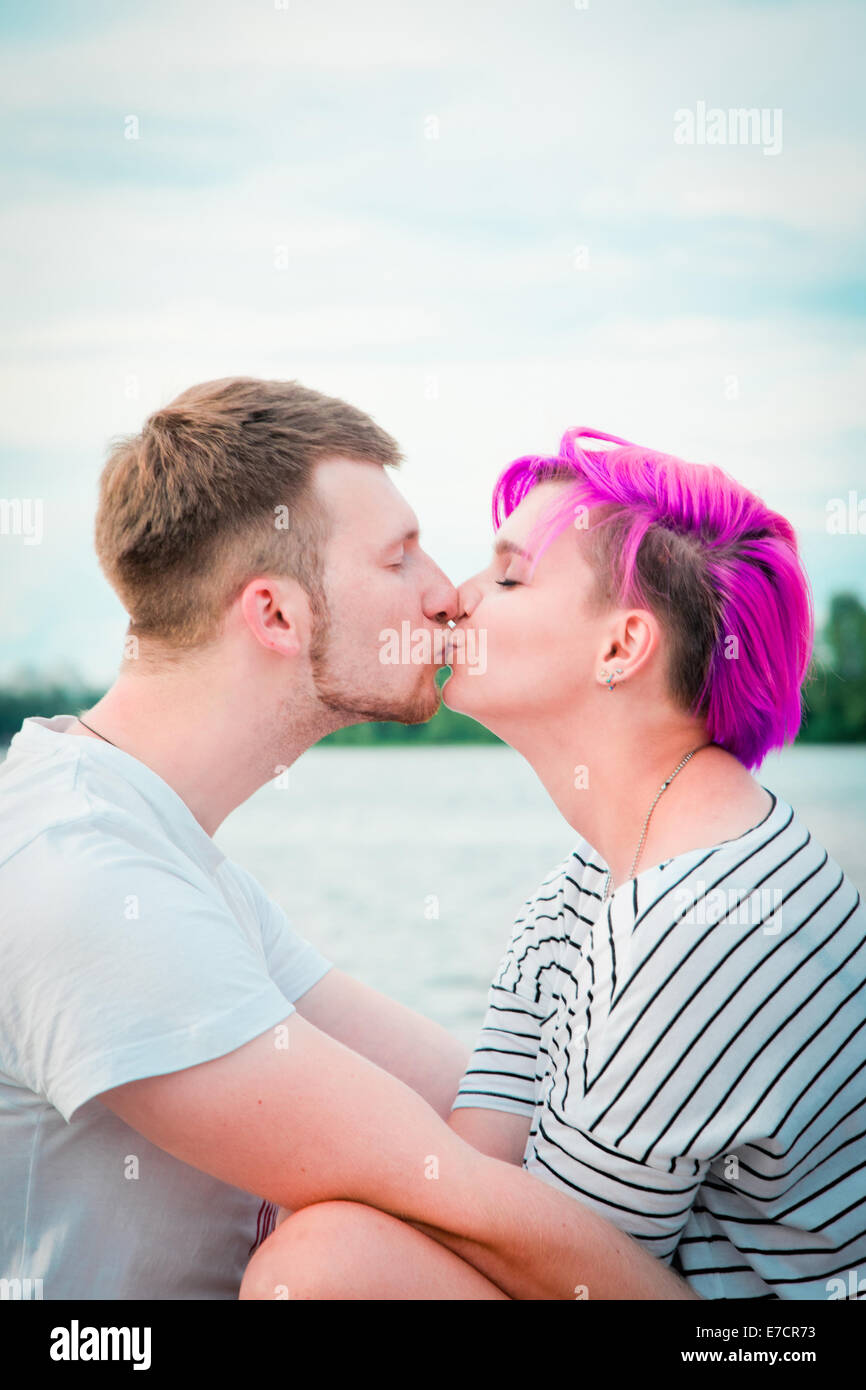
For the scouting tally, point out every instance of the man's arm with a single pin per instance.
(295, 1117)
(411, 1047)
(418, 1051)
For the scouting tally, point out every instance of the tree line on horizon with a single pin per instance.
(834, 696)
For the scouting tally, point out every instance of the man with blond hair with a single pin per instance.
(177, 1062)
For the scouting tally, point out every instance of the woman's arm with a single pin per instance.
(492, 1132)
(413, 1048)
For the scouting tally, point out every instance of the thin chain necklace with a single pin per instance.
(95, 731)
(665, 784)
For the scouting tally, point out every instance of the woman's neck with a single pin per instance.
(605, 787)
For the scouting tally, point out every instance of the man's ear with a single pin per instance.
(276, 610)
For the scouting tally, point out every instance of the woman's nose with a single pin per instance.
(468, 594)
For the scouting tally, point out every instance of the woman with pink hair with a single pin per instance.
(674, 1033)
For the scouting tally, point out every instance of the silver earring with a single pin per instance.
(610, 678)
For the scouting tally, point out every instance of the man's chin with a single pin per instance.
(416, 708)
(419, 709)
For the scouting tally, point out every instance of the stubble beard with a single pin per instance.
(344, 697)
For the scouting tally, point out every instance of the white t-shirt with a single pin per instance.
(130, 946)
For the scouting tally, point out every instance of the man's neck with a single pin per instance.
(212, 744)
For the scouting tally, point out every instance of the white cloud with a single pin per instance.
(816, 186)
(167, 52)
(308, 330)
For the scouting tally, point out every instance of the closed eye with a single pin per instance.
(507, 583)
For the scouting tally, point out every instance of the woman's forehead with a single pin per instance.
(534, 506)
(544, 521)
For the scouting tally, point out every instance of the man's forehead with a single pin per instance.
(360, 497)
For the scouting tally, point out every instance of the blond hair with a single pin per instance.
(216, 488)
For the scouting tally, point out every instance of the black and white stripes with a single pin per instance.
(692, 1058)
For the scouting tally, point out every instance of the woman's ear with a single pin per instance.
(630, 643)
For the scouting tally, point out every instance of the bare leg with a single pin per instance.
(346, 1250)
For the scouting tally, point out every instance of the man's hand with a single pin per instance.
(295, 1117)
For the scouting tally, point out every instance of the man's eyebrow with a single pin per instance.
(506, 547)
(411, 535)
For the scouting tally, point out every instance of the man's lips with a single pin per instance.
(453, 638)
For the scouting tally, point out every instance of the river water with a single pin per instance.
(406, 866)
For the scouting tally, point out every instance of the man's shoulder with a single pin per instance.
(60, 811)
(266, 911)
(81, 836)
(35, 797)
(64, 856)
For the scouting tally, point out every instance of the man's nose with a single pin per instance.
(441, 599)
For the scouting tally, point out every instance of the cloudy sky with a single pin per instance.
(473, 220)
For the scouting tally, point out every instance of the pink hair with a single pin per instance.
(721, 570)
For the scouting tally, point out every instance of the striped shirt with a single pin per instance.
(692, 1057)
